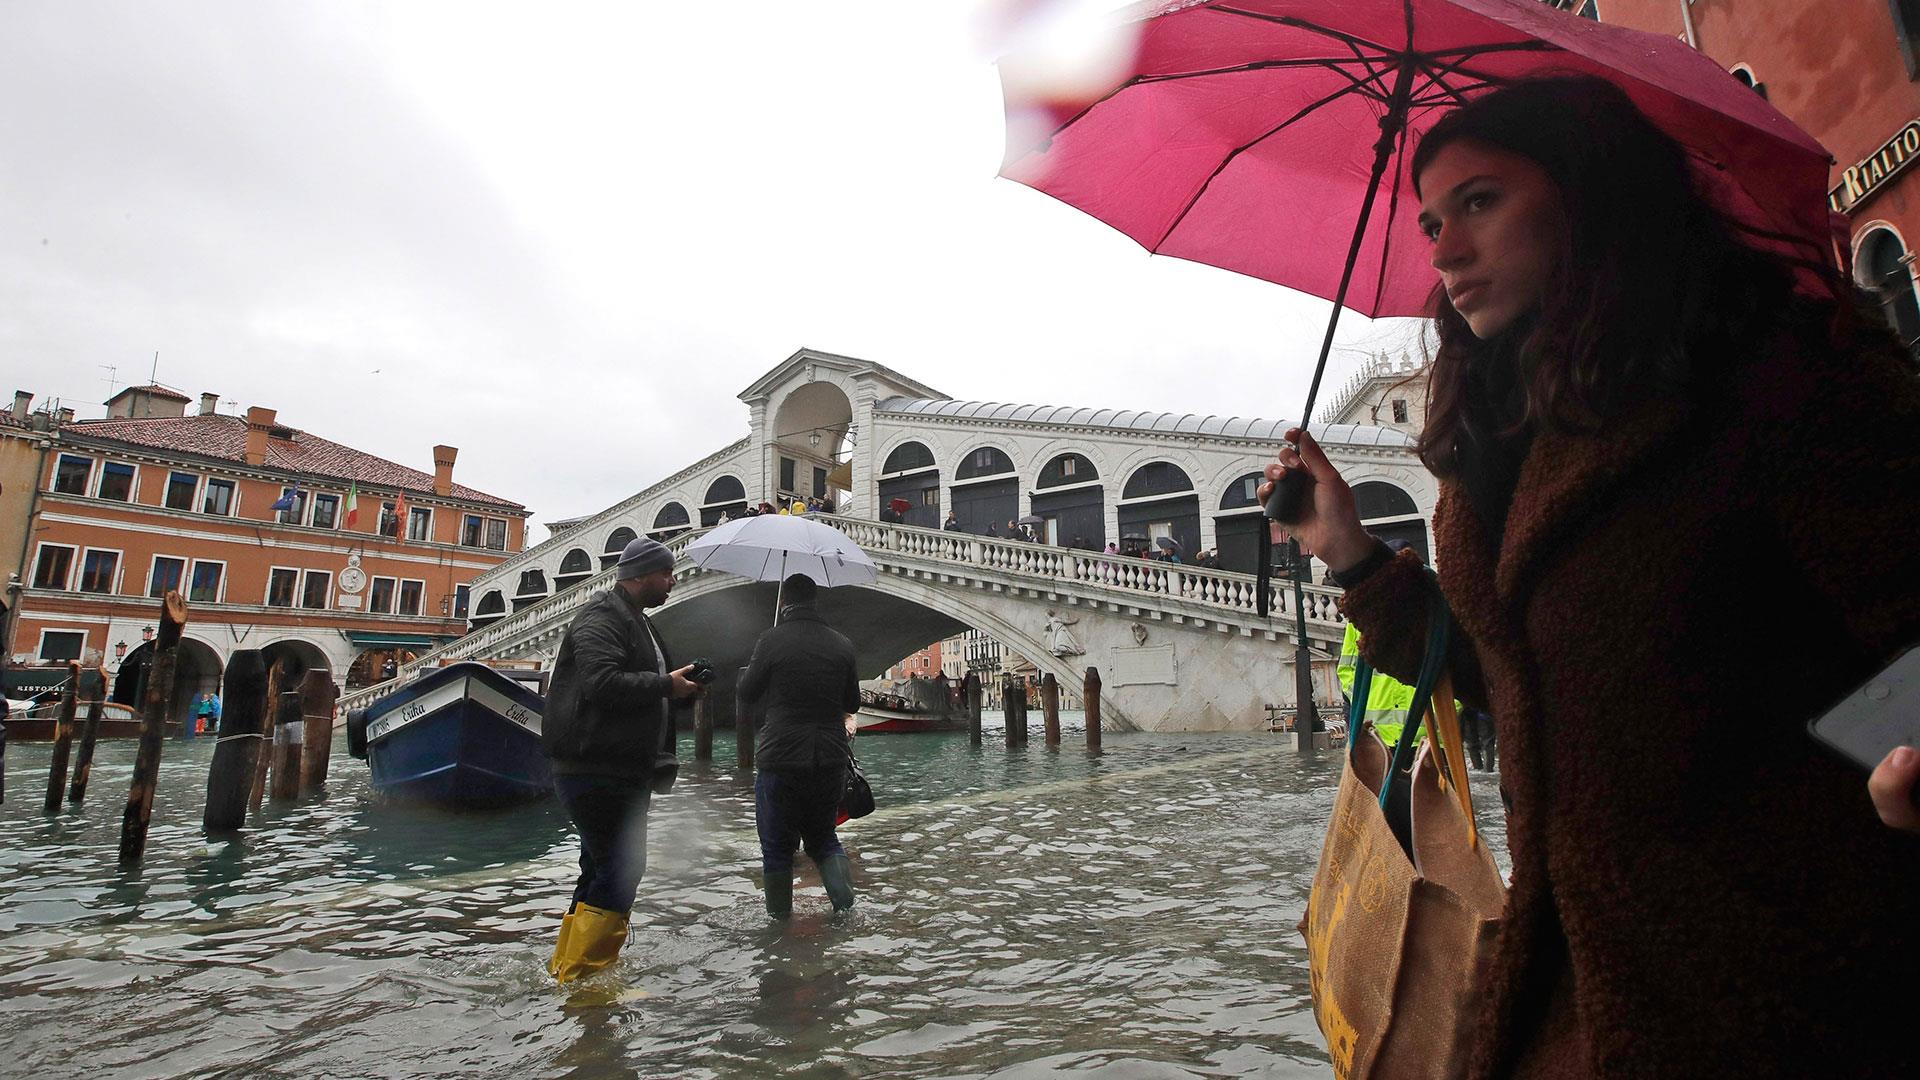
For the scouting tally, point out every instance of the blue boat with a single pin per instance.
(462, 735)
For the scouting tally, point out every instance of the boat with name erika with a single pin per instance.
(461, 735)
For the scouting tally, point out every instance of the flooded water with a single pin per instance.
(1021, 913)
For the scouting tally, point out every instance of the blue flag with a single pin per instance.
(286, 499)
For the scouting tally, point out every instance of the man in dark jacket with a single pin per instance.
(803, 670)
(607, 724)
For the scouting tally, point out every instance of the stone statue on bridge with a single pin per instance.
(1060, 640)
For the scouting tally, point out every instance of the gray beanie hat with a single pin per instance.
(642, 557)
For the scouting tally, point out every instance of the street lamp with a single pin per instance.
(146, 633)
(813, 438)
(119, 651)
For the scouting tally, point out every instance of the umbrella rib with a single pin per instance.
(1393, 210)
(1236, 152)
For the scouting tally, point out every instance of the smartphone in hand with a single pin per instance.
(1880, 714)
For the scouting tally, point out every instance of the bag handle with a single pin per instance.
(1446, 724)
(1432, 666)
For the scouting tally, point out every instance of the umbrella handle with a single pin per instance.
(1291, 494)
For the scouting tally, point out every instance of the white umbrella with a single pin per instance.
(769, 547)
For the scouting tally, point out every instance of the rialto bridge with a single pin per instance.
(1178, 646)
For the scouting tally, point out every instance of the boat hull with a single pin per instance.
(462, 735)
(876, 721)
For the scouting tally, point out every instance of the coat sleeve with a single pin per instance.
(753, 684)
(1839, 474)
(598, 652)
(851, 692)
(1390, 610)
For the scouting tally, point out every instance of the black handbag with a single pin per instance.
(856, 795)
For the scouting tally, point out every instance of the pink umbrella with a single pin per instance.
(1259, 135)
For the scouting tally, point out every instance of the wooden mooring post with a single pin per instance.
(975, 695)
(1090, 701)
(95, 682)
(243, 700)
(317, 695)
(1050, 708)
(257, 793)
(702, 729)
(62, 739)
(1013, 705)
(154, 710)
(742, 730)
(289, 732)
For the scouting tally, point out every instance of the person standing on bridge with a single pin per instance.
(608, 720)
(1668, 464)
(805, 671)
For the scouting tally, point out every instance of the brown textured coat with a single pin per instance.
(1672, 599)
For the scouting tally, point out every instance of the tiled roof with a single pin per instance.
(306, 454)
(1227, 427)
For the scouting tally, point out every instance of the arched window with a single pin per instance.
(576, 566)
(1374, 500)
(532, 590)
(726, 489)
(908, 455)
(617, 542)
(1883, 270)
(1747, 78)
(1240, 493)
(1390, 514)
(1157, 478)
(669, 522)
(1067, 469)
(491, 607)
(985, 461)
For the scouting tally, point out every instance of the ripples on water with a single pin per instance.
(1021, 914)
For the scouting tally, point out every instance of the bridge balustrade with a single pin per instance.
(1094, 574)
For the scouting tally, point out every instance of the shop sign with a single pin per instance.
(1862, 181)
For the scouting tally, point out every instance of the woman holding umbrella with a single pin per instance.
(1651, 448)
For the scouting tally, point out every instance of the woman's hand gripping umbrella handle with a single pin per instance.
(1304, 493)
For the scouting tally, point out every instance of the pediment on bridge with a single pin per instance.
(887, 382)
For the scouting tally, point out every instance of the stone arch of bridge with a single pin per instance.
(719, 616)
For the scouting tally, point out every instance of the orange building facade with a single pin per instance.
(1846, 71)
(320, 555)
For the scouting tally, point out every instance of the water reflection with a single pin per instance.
(1022, 913)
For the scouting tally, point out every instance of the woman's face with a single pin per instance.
(1497, 229)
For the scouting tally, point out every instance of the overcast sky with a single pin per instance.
(563, 237)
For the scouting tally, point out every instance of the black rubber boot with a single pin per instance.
(780, 895)
(836, 873)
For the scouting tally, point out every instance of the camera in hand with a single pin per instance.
(702, 671)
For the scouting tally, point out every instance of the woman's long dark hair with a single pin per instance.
(1653, 289)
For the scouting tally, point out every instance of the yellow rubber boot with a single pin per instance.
(594, 944)
(561, 947)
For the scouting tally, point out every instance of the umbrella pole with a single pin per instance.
(1292, 492)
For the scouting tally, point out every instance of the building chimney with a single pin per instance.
(259, 421)
(22, 404)
(66, 414)
(443, 469)
(208, 402)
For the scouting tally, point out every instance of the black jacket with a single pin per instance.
(603, 712)
(804, 671)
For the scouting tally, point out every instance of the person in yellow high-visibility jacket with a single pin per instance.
(1388, 699)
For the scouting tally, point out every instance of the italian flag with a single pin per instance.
(353, 504)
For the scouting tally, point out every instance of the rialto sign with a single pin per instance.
(1860, 182)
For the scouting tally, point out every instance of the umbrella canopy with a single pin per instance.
(769, 547)
(1032, 519)
(1244, 134)
(1168, 543)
